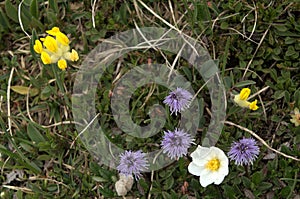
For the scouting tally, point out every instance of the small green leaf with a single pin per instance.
(11, 11)
(229, 191)
(23, 90)
(26, 147)
(224, 25)
(53, 5)
(281, 28)
(3, 20)
(264, 186)
(244, 83)
(165, 195)
(168, 183)
(34, 9)
(257, 178)
(34, 134)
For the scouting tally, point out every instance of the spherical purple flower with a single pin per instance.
(132, 163)
(175, 144)
(178, 100)
(244, 152)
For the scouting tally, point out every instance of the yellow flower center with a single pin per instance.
(213, 164)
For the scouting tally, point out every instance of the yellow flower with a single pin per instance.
(53, 31)
(45, 58)
(253, 105)
(241, 99)
(51, 44)
(62, 64)
(56, 49)
(62, 38)
(74, 55)
(244, 94)
(296, 117)
(38, 48)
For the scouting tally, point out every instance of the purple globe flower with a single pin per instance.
(244, 152)
(132, 163)
(175, 144)
(178, 100)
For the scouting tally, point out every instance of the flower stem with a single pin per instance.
(246, 170)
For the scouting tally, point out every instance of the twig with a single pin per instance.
(259, 92)
(93, 5)
(20, 19)
(157, 16)
(256, 50)
(8, 101)
(261, 140)
(85, 128)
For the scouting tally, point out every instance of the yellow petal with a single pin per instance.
(74, 55)
(53, 31)
(62, 38)
(38, 47)
(244, 94)
(51, 44)
(45, 58)
(253, 105)
(62, 64)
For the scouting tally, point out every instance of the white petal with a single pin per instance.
(219, 179)
(200, 152)
(206, 179)
(194, 169)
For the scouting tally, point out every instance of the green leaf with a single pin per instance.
(53, 5)
(34, 134)
(34, 9)
(264, 186)
(244, 83)
(224, 25)
(229, 191)
(11, 11)
(168, 183)
(281, 28)
(297, 97)
(257, 178)
(165, 195)
(23, 90)
(3, 20)
(36, 23)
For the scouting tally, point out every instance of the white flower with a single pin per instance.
(211, 164)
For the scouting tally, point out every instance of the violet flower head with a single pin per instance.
(178, 100)
(244, 152)
(132, 163)
(175, 144)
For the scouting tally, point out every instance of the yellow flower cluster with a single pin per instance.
(241, 100)
(55, 49)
